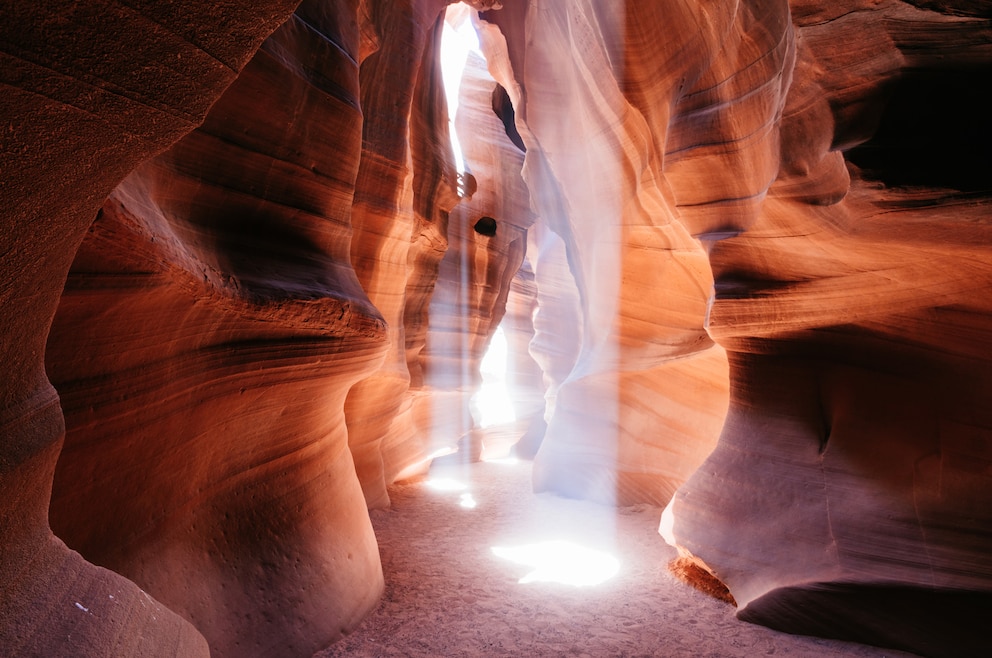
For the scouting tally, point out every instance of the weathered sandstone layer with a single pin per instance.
(849, 492)
(88, 92)
(849, 495)
(638, 388)
(262, 290)
(214, 291)
(406, 186)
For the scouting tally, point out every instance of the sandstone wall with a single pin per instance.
(638, 389)
(852, 469)
(208, 334)
(746, 242)
(848, 493)
(89, 92)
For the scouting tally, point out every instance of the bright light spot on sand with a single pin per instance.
(493, 400)
(561, 562)
(467, 501)
(446, 484)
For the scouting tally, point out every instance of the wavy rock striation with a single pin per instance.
(849, 495)
(281, 304)
(831, 165)
(89, 92)
(638, 389)
(215, 291)
(406, 186)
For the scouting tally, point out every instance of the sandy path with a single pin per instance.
(448, 594)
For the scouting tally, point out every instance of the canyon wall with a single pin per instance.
(831, 165)
(237, 347)
(231, 348)
(89, 92)
(405, 188)
(637, 386)
(214, 291)
(849, 495)
(743, 245)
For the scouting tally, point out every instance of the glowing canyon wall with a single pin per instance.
(849, 494)
(741, 249)
(832, 165)
(89, 93)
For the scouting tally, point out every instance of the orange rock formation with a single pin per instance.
(89, 93)
(741, 249)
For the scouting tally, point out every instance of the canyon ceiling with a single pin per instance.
(741, 250)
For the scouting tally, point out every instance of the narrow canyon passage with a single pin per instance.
(449, 594)
(739, 253)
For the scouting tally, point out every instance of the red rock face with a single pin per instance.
(405, 187)
(216, 473)
(848, 495)
(89, 92)
(276, 314)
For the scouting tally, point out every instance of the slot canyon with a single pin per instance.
(252, 255)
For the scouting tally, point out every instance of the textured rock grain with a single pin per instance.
(215, 292)
(754, 273)
(849, 495)
(88, 92)
(790, 146)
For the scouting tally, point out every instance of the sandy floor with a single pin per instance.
(449, 594)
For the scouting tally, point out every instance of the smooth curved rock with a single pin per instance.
(88, 93)
(406, 186)
(640, 280)
(215, 292)
(848, 495)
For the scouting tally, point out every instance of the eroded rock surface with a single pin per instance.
(849, 493)
(812, 154)
(277, 314)
(215, 291)
(89, 92)
(406, 186)
(629, 355)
